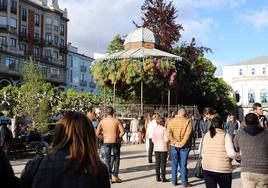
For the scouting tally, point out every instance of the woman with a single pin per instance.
(160, 140)
(217, 151)
(7, 177)
(232, 125)
(73, 160)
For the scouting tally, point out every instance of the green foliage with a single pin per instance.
(32, 95)
(78, 101)
(9, 95)
(116, 44)
(43, 115)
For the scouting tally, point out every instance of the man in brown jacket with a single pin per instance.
(179, 131)
(112, 131)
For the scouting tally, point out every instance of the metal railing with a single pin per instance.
(131, 110)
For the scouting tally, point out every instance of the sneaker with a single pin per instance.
(116, 179)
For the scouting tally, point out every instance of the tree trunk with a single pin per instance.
(114, 95)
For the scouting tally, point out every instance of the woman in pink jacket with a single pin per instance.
(160, 140)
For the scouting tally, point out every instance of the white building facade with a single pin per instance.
(249, 80)
(78, 71)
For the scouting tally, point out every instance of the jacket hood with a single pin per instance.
(253, 130)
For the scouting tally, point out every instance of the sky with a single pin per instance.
(235, 30)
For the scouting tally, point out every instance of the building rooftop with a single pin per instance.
(141, 35)
(255, 61)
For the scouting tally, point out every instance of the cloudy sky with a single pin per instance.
(235, 30)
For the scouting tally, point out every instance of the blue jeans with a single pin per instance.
(179, 156)
(108, 148)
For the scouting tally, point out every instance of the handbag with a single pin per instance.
(198, 171)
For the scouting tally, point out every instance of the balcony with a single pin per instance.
(48, 42)
(92, 84)
(49, 27)
(12, 30)
(23, 36)
(83, 68)
(11, 68)
(47, 58)
(37, 40)
(11, 49)
(83, 83)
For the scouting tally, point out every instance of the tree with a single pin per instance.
(160, 17)
(116, 44)
(32, 93)
(196, 83)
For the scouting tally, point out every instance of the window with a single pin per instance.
(251, 96)
(48, 20)
(23, 30)
(13, 42)
(253, 71)
(56, 25)
(240, 72)
(48, 53)
(13, 6)
(36, 35)
(37, 19)
(55, 73)
(264, 96)
(71, 76)
(56, 54)
(3, 20)
(23, 14)
(56, 40)
(61, 43)
(48, 37)
(263, 70)
(23, 48)
(82, 77)
(71, 60)
(43, 69)
(13, 23)
(12, 64)
(3, 41)
(61, 29)
(3, 4)
(36, 52)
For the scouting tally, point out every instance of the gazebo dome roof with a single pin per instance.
(141, 35)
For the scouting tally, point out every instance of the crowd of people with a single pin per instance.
(85, 150)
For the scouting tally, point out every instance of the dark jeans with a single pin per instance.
(160, 161)
(108, 148)
(150, 151)
(224, 180)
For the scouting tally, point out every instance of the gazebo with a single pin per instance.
(141, 44)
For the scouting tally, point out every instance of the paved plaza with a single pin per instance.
(136, 172)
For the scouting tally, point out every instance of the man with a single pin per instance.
(134, 129)
(179, 133)
(254, 154)
(112, 131)
(257, 109)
